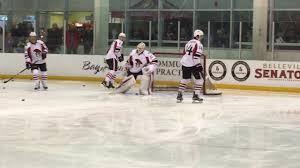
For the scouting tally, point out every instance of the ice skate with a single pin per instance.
(197, 99)
(179, 97)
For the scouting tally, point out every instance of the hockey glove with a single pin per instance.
(28, 65)
(44, 56)
(121, 58)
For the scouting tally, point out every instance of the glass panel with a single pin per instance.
(19, 5)
(53, 5)
(220, 28)
(213, 4)
(20, 24)
(117, 5)
(51, 30)
(143, 4)
(138, 26)
(81, 5)
(287, 27)
(79, 35)
(6, 5)
(170, 27)
(243, 4)
(177, 4)
(247, 23)
(1, 36)
(292, 4)
(116, 23)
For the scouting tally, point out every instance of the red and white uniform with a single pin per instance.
(137, 62)
(114, 50)
(192, 53)
(30, 52)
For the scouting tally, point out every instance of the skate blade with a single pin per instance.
(179, 101)
(197, 101)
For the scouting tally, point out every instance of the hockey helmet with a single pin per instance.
(32, 34)
(198, 33)
(122, 35)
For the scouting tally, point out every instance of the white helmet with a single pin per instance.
(140, 47)
(198, 33)
(32, 34)
(122, 35)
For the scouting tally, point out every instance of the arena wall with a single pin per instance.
(229, 74)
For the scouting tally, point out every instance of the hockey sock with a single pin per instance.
(44, 79)
(198, 86)
(110, 76)
(36, 78)
(183, 85)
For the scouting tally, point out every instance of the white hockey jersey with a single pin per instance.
(114, 50)
(192, 53)
(137, 62)
(33, 52)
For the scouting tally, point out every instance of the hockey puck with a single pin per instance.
(23, 99)
(83, 85)
(3, 88)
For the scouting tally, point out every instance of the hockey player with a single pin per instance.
(191, 66)
(112, 58)
(140, 63)
(35, 57)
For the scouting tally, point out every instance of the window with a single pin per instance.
(117, 5)
(287, 4)
(177, 4)
(138, 26)
(287, 25)
(213, 4)
(246, 18)
(143, 4)
(243, 4)
(170, 21)
(219, 27)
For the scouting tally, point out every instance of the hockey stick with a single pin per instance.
(13, 77)
(207, 83)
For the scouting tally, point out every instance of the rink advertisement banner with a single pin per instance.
(237, 72)
(257, 73)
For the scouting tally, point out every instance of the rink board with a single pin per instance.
(231, 74)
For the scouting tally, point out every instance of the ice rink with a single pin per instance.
(76, 126)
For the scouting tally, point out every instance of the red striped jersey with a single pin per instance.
(114, 50)
(33, 52)
(192, 53)
(137, 62)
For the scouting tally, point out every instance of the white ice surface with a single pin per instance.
(71, 126)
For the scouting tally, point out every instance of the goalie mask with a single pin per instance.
(140, 48)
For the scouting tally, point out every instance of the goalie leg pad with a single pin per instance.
(126, 84)
(146, 84)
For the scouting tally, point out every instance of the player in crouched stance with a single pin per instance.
(140, 63)
(191, 66)
(35, 57)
